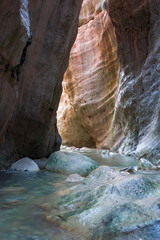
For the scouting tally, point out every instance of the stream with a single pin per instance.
(22, 194)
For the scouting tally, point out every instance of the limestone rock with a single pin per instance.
(68, 163)
(108, 204)
(25, 164)
(35, 42)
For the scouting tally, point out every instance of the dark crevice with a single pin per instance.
(23, 57)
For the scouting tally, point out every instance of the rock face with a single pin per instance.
(110, 103)
(87, 104)
(109, 205)
(136, 122)
(35, 42)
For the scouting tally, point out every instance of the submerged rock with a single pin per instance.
(25, 164)
(68, 163)
(74, 178)
(105, 154)
(144, 164)
(108, 203)
(13, 189)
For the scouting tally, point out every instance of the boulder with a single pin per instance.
(74, 178)
(68, 163)
(25, 164)
(107, 204)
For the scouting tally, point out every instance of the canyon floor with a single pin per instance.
(46, 206)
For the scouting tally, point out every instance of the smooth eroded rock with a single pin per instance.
(68, 163)
(25, 164)
(108, 203)
(111, 89)
(89, 88)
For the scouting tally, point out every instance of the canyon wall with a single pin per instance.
(35, 42)
(112, 88)
(87, 104)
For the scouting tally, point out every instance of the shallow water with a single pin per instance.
(22, 194)
(114, 160)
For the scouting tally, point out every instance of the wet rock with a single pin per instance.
(25, 164)
(68, 163)
(105, 154)
(144, 164)
(74, 178)
(130, 170)
(41, 162)
(108, 203)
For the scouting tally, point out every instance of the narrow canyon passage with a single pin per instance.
(111, 89)
(103, 181)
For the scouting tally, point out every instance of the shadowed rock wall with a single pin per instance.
(35, 42)
(112, 87)
(136, 122)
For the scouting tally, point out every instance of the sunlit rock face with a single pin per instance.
(35, 42)
(112, 103)
(87, 104)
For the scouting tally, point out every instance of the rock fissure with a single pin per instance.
(23, 57)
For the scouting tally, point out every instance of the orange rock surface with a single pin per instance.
(111, 93)
(89, 88)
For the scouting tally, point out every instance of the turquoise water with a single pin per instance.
(22, 195)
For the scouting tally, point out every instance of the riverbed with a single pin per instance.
(23, 194)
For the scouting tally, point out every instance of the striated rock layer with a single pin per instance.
(136, 124)
(117, 107)
(35, 42)
(87, 104)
